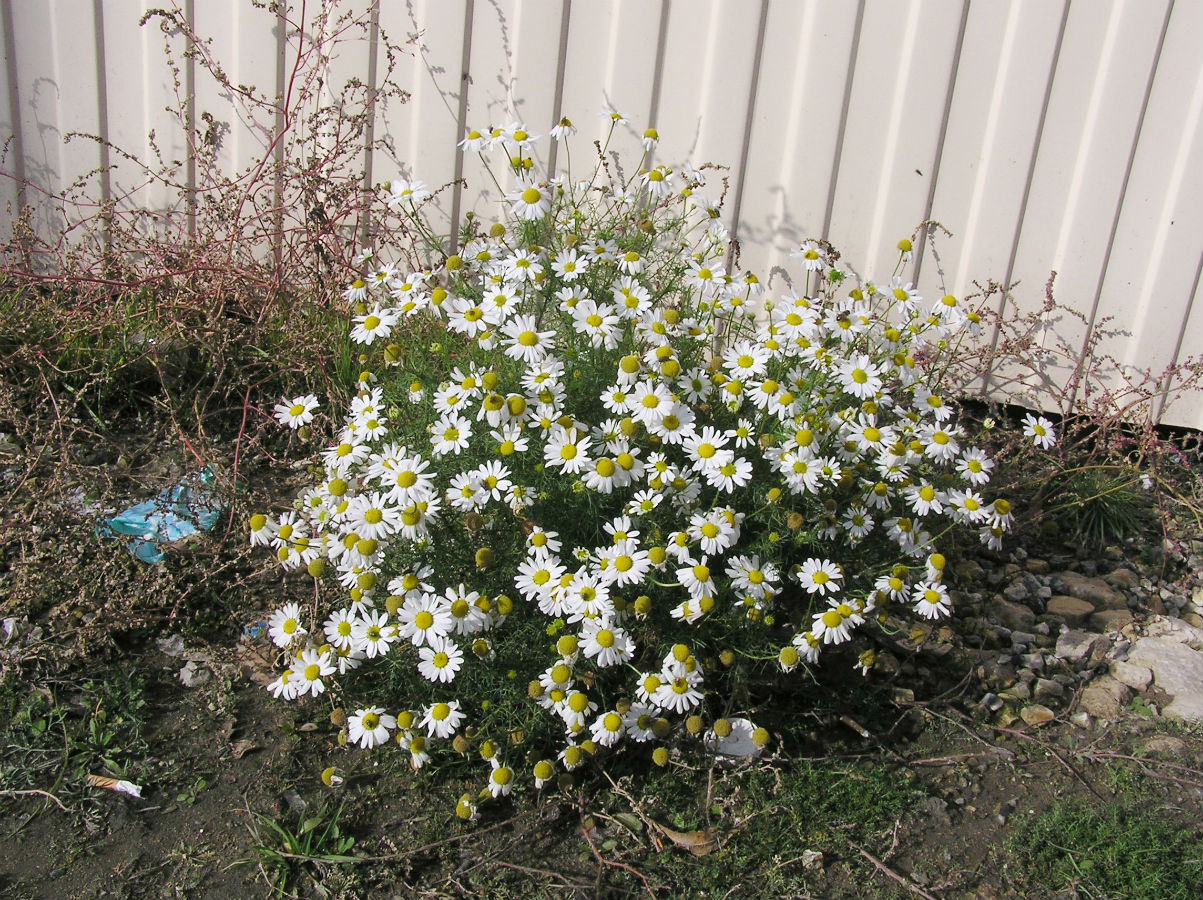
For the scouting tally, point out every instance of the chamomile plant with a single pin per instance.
(593, 478)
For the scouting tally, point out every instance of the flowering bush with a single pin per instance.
(594, 481)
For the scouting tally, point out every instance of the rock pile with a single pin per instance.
(1046, 640)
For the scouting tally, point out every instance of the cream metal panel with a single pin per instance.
(140, 91)
(991, 135)
(991, 141)
(38, 94)
(1187, 408)
(420, 135)
(12, 149)
(241, 39)
(896, 110)
(1151, 268)
(611, 59)
(709, 54)
(76, 85)
(795, 135)
(1094, 111)
(1045, 135)
(346, 81)
(513, 64)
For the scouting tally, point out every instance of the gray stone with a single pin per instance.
(995, 674)
(1048, 690)
(1033, 661)
(1188, 707)
(1017, 591)
(1018, 691)
(1104, 698)
(1022, 637)
(193, 675)
(1177, 669)
(1037, 715)
(1032, 583)
(1174, 629)
(1078, 646)
(1165, 743)
(1122, 578)
(1082, 719)
(1036, 566)
(1106, 621)
(1015, 616)
(1070, 610)
(969, 571)
(1094, 591)
(1136, 677)
(812, 859)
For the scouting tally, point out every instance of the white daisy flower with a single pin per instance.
(440, 660)
(529, 201)
(1040, 430)
(820, 576)
(284, 626)
(442, 720)
(296, 412)
(309, 668)
(931, 599)
(370, 727)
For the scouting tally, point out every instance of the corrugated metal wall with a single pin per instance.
(1045, 134)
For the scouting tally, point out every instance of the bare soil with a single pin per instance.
(223, 758)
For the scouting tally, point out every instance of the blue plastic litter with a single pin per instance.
(175, 513)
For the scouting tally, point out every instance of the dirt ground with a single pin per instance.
(222, 760)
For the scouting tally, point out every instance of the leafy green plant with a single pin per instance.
(594, 491)
(51, 740)
(1124, 848)
(282, 848)
(1101, 505)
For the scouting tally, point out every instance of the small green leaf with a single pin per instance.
(309, 824)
